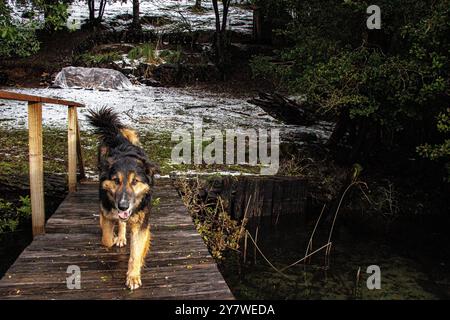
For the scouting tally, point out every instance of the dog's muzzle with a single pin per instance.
(124, 215)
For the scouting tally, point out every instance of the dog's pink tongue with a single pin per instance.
(124, 214)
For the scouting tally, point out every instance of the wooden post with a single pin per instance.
(72, 149)
(36, 167)
(79, 151)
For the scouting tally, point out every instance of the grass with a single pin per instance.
(100, 59)
(158, 146)
(149, 54)
(171, 56)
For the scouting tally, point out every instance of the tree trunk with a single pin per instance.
(198, 4)
(220, 40)
(136, 13)
(91, 6)
(101, 10)
(95, 20)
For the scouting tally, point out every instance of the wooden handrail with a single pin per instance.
(35, 151)
(30, 98)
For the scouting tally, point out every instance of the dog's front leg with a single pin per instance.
(107, 226)
(140, 243)
(121, 239)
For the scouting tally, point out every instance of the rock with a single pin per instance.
(92, 78)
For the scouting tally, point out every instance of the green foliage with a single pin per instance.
(56, 15)
(439, 152)
(24, 210)
(6, 206)
(96, 60)
(134, 53)
(16, 39)
(12, 216)
(8, 225)
(171, 56)
(393, 80)
(149, 54)
(146, 52)
(264, 68)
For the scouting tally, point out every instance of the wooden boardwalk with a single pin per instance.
(178, 265)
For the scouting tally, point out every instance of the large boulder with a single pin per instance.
(92, 78)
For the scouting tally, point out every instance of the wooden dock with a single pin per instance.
(178, 265)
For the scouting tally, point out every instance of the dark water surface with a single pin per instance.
(413, 264)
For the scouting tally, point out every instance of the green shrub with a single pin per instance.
(147, 52)
(12, 216)
(171, 56)
(16, 39)
(392, 84)
(93, 60)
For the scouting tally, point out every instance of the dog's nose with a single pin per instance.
(123, 205)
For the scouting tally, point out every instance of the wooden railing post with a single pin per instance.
(79, 152)
(36, 167)
(72, 149)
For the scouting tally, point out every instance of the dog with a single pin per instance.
(126, 177)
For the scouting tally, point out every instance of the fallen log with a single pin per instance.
(284, 109)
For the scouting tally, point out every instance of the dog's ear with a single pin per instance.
(152, 171)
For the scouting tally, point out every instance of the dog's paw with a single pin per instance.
(120, 241)
(107, 242)
(134, 281)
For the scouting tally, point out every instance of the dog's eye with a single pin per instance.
(134, 182)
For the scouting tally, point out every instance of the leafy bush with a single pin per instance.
(440, 152)
(24, 211)
(386, 87)
(13, 216)
(16, 39)
(56, 15)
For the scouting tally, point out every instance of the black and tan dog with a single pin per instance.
(126, 182)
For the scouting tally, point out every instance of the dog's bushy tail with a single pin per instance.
(107, 125)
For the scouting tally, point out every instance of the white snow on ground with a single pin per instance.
(240, 19)
(155, 109)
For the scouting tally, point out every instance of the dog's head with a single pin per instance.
(128, 183)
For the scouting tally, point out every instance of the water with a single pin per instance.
(411, 264)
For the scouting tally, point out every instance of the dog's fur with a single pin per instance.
(126, 183)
